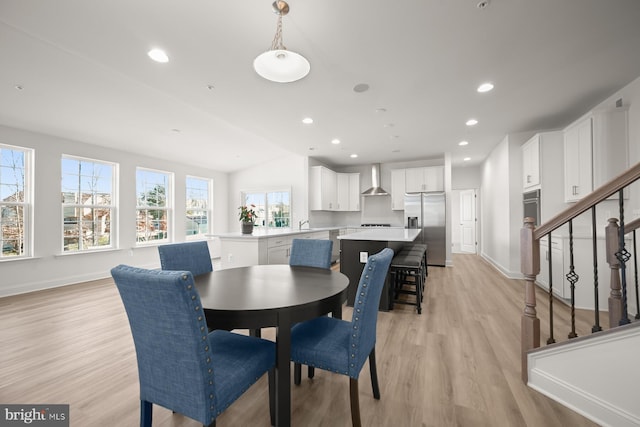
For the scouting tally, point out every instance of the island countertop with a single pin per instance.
(264, 232)
(384, 234)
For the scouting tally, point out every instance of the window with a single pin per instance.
(153, 206)
(88, 204)
(273, 208)
(15, 201)
(198, 209)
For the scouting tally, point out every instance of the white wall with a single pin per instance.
(49, 268)
(501, 205)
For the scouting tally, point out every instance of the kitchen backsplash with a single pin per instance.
(375, 210)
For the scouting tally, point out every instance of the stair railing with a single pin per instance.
(617, 257)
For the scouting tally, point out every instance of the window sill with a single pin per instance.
(92, 251)
(16, 259)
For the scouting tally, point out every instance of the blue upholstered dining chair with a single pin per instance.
(181, 366)
(311, 253)
(341, 346)
(190, 256)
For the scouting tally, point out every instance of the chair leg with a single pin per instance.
(355, 402)
(272, 395)
(374, 374)
(311, 371)
(297, 373)
(146, 413)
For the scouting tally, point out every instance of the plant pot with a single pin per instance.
(247, 227)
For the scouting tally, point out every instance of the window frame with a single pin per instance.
(267, 204)
(169, 208)
(113, 207)
(208, 210)
(27, 204)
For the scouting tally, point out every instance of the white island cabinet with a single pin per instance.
(263, 246)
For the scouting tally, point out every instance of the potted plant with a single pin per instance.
(247, 218)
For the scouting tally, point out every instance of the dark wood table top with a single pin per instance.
(267, 287)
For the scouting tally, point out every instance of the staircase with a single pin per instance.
(596, 374)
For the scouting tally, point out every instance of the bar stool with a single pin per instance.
(407, 269)
(418, 249)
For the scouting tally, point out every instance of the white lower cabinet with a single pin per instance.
(278, 250)
(557, 265)
(246, 251)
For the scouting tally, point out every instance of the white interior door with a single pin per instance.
(468, 221)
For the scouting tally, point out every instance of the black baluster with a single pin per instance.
(623, 256)
(635, 269)
(551, 340)
(596, 327)
(572, 277)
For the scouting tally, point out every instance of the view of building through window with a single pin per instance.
(273, 208)
(15, 201)
(198, 209)
(153, 205)
(88, 208)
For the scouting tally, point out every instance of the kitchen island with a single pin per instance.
(266, 246)
(356, 247)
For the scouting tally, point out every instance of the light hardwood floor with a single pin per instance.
(457, 364)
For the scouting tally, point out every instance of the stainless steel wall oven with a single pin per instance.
(531, 204)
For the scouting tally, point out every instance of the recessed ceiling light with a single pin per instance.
(335, 141)
(307, 120)
(158, 55)
(463, 143)
(485, 87)
(361, 87)
(466, 159)
(353, 156)
(19, 87)
(472, 122)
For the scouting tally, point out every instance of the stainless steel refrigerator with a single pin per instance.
(427, 211)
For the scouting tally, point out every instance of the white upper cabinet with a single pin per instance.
(424, 179)
(610, 144)
(578, 177)
(397, 189)
(531, 164)
(342, 191)
(354, 191)
(322, 189)
(595, 151)
(348, 192)
(331, 191)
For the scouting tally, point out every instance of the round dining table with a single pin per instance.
(272, 296)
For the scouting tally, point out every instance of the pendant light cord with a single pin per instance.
(277, 43)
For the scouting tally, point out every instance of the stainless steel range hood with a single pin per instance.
(376, 189)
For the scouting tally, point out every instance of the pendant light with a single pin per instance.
(279, 64)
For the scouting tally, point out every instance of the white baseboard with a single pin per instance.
(505, 272)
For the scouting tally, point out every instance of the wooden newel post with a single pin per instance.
(530, 267)
(612, 239)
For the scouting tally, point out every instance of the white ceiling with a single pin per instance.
(86, 76)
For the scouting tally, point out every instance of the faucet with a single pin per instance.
(301, 223)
